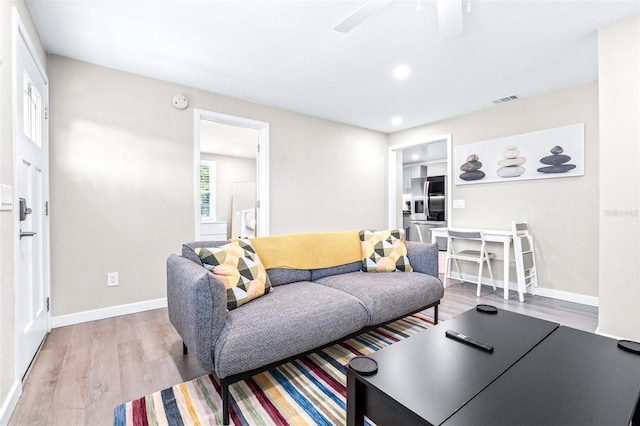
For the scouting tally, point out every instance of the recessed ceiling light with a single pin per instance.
(401, 72)
(415, 156)
(396, 121)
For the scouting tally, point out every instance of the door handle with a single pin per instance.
(27, 234)
(24, 210)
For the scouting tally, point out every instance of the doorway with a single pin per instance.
(234, 152)
(31, 209)
(420, 155)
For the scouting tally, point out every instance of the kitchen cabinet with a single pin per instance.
(410, 172)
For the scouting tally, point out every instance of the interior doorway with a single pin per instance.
(232, 193)
(435, 154)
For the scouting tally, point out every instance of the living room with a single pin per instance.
(121, 172)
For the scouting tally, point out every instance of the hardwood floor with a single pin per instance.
(461, 297)
(83, 371)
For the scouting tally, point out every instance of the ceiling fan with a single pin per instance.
(449, 16)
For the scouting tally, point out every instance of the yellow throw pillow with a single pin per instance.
(238, 266)
(384, 251)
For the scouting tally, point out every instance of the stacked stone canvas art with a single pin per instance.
(511, 163)
(542, 154)
(556, 162)
(471, 169)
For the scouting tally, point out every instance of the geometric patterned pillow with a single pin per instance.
(384, 251)
(238, 266)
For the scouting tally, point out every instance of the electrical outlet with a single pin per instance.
(458, 204)
(112, 279)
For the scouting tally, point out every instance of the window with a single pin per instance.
(207, 191)
(32, 104)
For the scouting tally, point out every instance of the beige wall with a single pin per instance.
(7, 294)
(619, 70)
(563, 213)
(122, 170)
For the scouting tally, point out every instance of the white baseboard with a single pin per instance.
(113, 311)
(540, 291)
(10, 402)
(569, 297)
(608, 335)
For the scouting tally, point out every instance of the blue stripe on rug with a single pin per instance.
(300, 399)
(334, 362)
(366, 344)
(320, 385)
(236, 413)
(171, 407)
(120, 415)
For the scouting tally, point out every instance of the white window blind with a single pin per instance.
(207, 191)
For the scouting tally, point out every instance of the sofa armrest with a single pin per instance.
(423, 257)
(197, 303)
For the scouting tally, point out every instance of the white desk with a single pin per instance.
(497, 236)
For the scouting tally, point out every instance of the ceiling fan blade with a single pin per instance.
(359, 16)
(449, 18)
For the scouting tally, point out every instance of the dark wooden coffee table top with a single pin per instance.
(571, 378)
(428, 377)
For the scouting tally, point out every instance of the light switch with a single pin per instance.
(458, 204)
(6, 198)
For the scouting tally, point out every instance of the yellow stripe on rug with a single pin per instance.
(312, 250)
(186, 400)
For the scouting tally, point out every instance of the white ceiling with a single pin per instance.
(286, 53)
(226, 139)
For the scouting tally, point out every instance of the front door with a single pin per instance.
(31, 208)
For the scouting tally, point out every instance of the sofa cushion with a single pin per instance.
(279, 276)
(296, 318)
(238, 266)
(388, 296)
(316, 274)
(384, 251)
(423, 257)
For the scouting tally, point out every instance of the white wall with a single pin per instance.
(8, 378)
(122, 170)
(563, 213)
(619, 70)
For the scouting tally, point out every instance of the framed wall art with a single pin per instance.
(545, 154)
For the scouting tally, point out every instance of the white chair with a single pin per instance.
(524, 258)
(458, 238)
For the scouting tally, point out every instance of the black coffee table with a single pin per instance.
(429, 379)
(570, 378)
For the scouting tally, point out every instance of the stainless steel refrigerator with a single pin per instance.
(428, 208)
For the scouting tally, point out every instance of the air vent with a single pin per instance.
(505, 99)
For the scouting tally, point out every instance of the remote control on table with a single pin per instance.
(468, 340)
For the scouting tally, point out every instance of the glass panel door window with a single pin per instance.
(32, 111)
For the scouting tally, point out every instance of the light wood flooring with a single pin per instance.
(83, 371)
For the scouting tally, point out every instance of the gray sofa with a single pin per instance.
(306, 311)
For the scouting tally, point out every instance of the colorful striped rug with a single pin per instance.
(308, 391)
